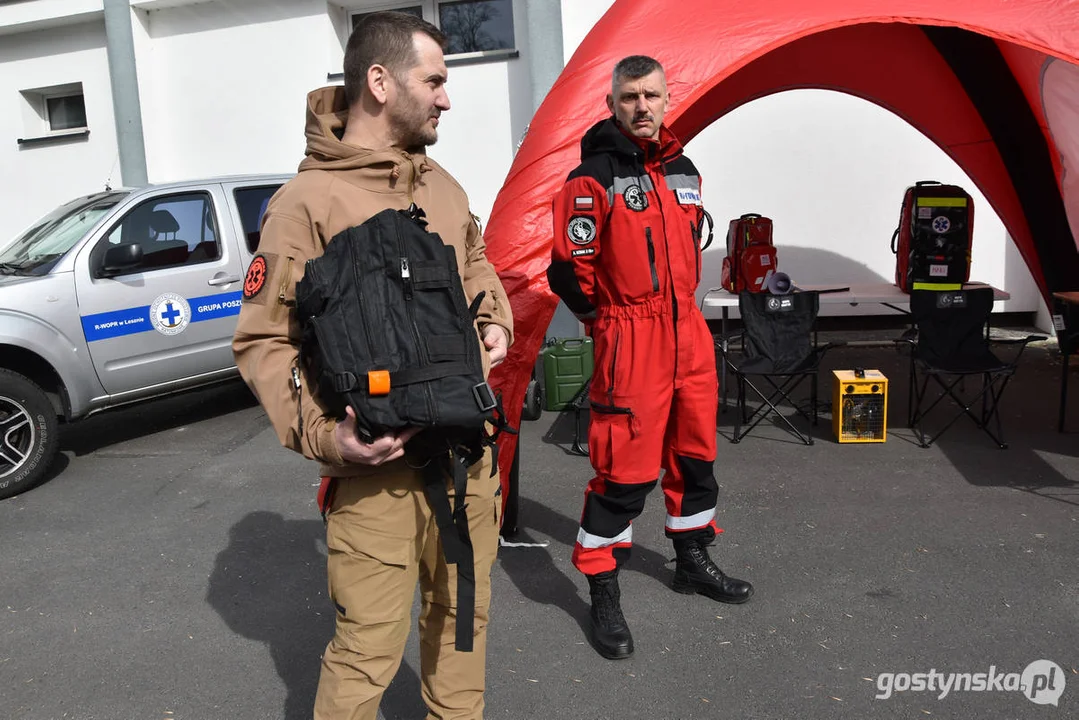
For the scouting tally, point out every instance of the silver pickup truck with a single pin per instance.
(119, 297)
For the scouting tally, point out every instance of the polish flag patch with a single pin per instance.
(583, 202)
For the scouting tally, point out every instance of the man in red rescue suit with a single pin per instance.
(626, 260)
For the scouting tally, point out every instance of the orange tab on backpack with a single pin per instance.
(378, 382)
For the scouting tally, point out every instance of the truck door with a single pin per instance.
(171, 316)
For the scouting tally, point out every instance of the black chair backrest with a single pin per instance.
(778, 330)
(1068, 335)
(951, 325)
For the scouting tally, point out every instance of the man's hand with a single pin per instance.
(496, 342)
(378, 451)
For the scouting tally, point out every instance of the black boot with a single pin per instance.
(610, 634)
(696, 573)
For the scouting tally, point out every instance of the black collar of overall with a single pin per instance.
(607, 136)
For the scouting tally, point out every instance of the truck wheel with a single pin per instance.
(533, 401)
(28, 434)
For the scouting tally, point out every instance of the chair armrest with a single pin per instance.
(719, 339)
(1019, 341)
(909, 336)
(819, 350)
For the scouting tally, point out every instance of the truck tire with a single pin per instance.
(28, 434)
(533, 407)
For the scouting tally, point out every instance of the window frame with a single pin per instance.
(237, 204)
(102, 244)
(60, 95)
(430, 9)
(35, 111)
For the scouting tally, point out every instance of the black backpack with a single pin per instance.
(387, 330)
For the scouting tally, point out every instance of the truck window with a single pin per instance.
(252, 202)
(173, 230)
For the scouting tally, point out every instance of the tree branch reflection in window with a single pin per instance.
(477, 25)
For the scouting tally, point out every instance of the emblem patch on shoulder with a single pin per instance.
(256, 277)
(581, 229)
(635, 198)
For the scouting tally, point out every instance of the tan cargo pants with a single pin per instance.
(382, 539)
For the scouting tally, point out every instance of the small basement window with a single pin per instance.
(65, 112)
(54, 112)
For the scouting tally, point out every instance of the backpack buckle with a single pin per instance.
(485, 397)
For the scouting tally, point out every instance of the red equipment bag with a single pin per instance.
(751, 256)
(936, 227)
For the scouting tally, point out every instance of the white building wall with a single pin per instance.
(490, 107)
(223, 87)
(34, 178)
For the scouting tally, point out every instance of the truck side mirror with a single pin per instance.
(119, 258)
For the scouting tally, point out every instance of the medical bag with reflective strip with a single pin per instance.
(387, 330)
(932, 242)
(751, 256)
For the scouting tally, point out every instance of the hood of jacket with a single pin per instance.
(376, 169)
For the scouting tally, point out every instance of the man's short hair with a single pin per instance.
(383, 38)
(633, 67)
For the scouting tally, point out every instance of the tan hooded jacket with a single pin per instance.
(340, 186)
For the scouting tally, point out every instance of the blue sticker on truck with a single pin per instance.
(170, 312)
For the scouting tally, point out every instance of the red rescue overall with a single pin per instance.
(627, 262)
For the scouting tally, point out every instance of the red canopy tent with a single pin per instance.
(995, 85)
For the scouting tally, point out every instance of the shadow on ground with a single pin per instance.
(268, 585)
(113, 427)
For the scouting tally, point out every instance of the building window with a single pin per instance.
(477, 25)
(65, 112)
(416, 10)
(471, 26)
(57, 111)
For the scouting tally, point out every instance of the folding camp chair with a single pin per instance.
(778, 352)
(1066, 322)
(949, 343)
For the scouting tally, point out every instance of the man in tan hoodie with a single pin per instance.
(365, 153)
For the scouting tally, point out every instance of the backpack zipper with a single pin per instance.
(417, 338)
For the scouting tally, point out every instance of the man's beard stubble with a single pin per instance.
(409, 120)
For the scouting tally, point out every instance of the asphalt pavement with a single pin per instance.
(172, 567)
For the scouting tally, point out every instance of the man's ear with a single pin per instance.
(378, 79)
(610, 103)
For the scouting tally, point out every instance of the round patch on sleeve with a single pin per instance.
(581, 229)
(256, 277)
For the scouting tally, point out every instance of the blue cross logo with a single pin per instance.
(171, 316)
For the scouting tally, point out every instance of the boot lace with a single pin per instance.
(704, 563)
(606, 601)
